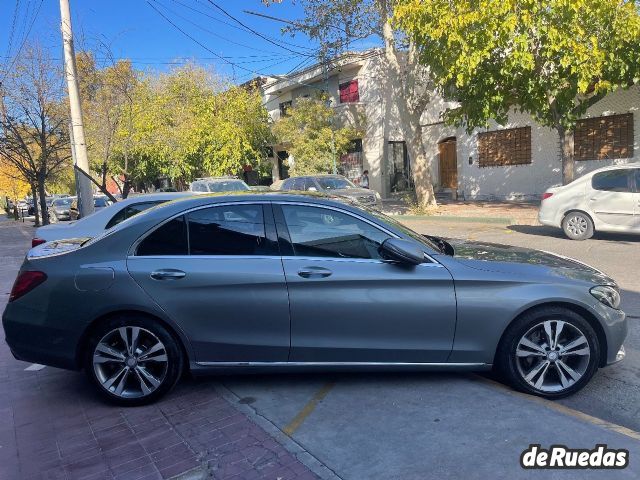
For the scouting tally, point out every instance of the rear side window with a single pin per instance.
(611, 181)
(169, 239)
(228, 230)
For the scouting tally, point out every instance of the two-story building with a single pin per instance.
(516, 161)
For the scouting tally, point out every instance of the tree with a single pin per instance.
(336, 24)
(550, 58)
(308, 130)
(33, 123)
(12, 184)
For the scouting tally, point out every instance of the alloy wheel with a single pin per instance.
(130, 362)
(577, 225)
(552, 356)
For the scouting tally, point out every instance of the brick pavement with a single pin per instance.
(54, 426)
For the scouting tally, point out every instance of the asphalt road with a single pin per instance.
(614, 393)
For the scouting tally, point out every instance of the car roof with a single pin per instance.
(617, 166)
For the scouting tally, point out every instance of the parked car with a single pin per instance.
(103, 219)
(59, 209)
(334, 185)
(605, 200)
(99, 203)
(213, 283)
(218, 184)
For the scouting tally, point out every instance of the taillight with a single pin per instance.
(546, 195)
(26, 282)
(37, 241)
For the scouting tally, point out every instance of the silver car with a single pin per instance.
(333, 185)
(270, 281)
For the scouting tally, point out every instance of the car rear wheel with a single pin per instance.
(133, 360)
(551, 352)
(577, 226)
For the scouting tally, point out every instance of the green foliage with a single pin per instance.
(550, 58)
(309, 134)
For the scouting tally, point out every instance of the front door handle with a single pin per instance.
(168, 274)
(314, 272)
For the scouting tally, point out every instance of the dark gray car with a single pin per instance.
(333, 185)
(276, 280)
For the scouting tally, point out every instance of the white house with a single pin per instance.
(516, 161)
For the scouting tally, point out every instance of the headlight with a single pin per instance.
(607, 294)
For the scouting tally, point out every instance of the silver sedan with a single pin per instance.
(270, 281)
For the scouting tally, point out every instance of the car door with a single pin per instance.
(217, 273)
(612, 199)
(349, 305)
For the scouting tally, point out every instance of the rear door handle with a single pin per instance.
(314, 272)
(168, 274)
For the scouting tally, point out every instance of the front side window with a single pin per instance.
(322, 232)
(611, 181)
(168, 239)
(227, 230)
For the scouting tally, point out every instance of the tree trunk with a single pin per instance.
(34, 194)
(402, 83)
(566, 155)
(126, 187)
(43, 202)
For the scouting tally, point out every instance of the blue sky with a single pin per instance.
(133, 29)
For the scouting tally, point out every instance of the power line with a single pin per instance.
(252, 30)
(214, 18)
(173, 12)
(22, 43)
(11, 33)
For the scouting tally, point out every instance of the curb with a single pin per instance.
(293, 447)
(451, 218)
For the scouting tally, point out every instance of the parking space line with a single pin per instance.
(558, 407)
(291, 428)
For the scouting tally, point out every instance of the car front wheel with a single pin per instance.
(551, 352)
(133, 360)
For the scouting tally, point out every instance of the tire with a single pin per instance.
(577, 226)
(137, 376)
(562, 374)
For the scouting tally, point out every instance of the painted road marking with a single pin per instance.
(291, 428)
(564, 409)
(34, 367)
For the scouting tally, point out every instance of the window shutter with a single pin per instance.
(604, 138)
(499, 148)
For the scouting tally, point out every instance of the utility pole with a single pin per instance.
(79, 146)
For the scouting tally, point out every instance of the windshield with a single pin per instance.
(227, 186)
(334, 183)
(63, 202)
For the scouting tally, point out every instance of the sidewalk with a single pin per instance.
(349, 426)
(509, 213)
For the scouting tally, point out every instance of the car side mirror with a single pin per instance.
(402, 251)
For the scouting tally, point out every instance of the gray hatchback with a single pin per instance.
(273, 280)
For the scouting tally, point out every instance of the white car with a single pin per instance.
(218, 184)
(605, 200)
(104, 218)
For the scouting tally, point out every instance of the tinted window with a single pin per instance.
(227, 186)
(227, 230)
(169, 239)
(320, 232)
(288, 184)
(130, 211)
(611, 181)
(335, 183)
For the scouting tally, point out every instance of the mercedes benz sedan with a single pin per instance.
(272, 281)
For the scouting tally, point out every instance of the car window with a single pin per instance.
(309, 183)
(335, 183)
(322, 232)
(198, 187)
(287, 185)
(130, 211)
(227, 230)
(637, 177)
(611, 181)
(168, 239)
(62, 202)
(101, 202)
(227, 186)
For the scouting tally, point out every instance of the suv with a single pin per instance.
(334, 185)
(606, 200)
(218, 184)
